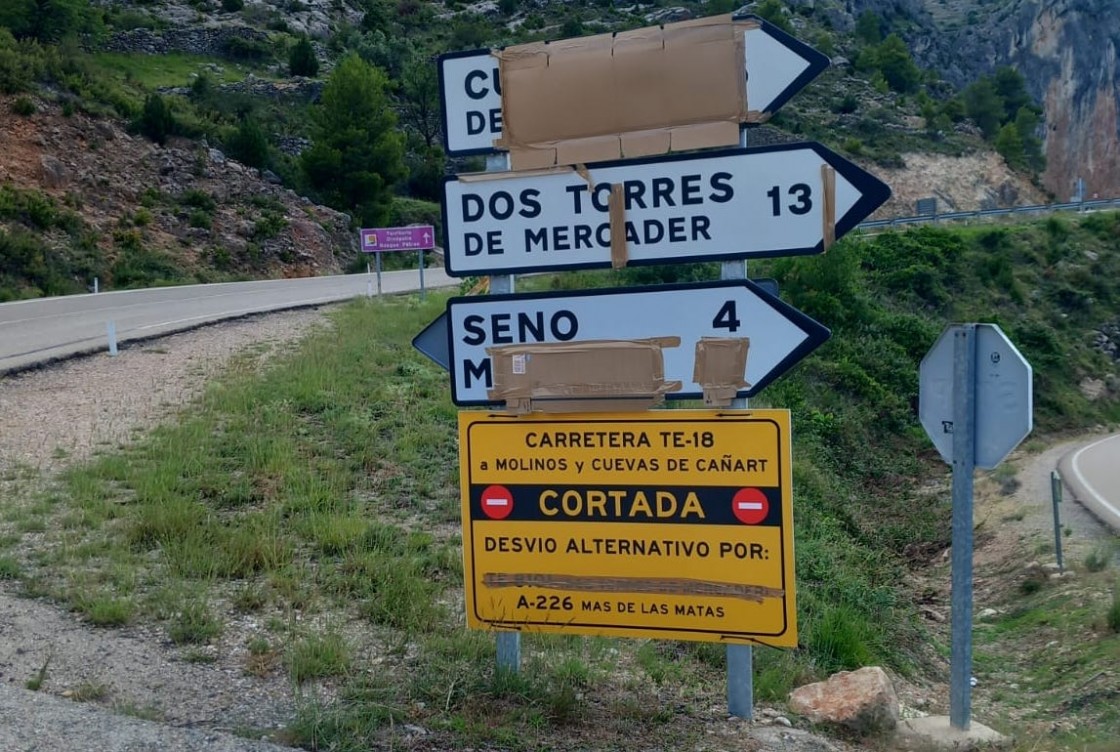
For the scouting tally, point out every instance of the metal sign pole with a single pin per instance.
(740, 658)
(964, 460)
(421, 252)
(1055, 500)
(378, 255)
(508, 643)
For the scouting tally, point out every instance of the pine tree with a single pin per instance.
(357, 152)
(302, 60)
(984, 106)
(896, 65)
(156, 121)
(249, 145)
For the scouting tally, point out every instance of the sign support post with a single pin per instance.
(964, 462)
(1055, 500)
(508, 643)
(975, 403)
(378, 255)
(740, 658)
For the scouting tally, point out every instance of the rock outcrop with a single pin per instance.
(863, 700)
(184, 199)
(1067, 53)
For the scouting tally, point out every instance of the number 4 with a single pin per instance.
(726, 318)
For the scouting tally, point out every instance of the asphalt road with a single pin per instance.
(46, 329)
(1093, 472)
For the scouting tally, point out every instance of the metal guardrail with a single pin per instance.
(959, 216)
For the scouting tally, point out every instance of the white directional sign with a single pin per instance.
(1004, 395)
(765, 201)
(780, 335)
(776, 65)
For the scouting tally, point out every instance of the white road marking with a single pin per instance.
(1081, 476)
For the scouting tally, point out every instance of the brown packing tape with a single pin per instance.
(689, 137)
(645, 143)
(521, 159)
(597, 149)
(620, 254)
(482, 177)
(828, 212)
(556, 375)
(588, 99)
(720, 367)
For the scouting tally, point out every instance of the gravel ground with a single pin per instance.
(62, 414)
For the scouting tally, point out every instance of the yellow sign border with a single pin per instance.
(551, 588)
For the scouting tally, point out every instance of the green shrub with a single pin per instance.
(1112, 618)
(24, 106)
(194, 625)
(156, 121)
(232, 6)
(1098, 559)
(302, 60)
(198, 199)
(253, 50)
(248, 144)
(199, 218)
(269, 226)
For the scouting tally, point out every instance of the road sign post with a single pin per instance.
(552, 548)
(975, 403)
(378, 240)
(508, 644)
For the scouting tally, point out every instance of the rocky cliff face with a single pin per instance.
(1067, 51)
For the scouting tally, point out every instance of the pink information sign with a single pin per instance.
(414, 238)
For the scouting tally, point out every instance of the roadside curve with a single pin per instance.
(37, 331)
(1093, 473)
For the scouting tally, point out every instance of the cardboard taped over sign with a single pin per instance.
(594, 375)
(633, 94)
(721, 363)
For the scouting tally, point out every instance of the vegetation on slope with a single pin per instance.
(875, 107)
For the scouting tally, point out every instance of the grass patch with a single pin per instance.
(170, 69)
(1099, 558)
(9, 568)
(89, 692)
(318, 657)
(105, 610)
(194, 624)
(1112, 616)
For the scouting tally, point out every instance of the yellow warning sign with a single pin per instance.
(669, 523)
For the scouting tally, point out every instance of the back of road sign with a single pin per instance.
(1004, 395)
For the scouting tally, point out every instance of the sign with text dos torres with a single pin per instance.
(673, 524)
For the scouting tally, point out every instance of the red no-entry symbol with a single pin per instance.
(497, 502)
(750, 506)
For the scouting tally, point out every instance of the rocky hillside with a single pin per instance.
(1067, 51)
(133, 203)
(129, 211)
